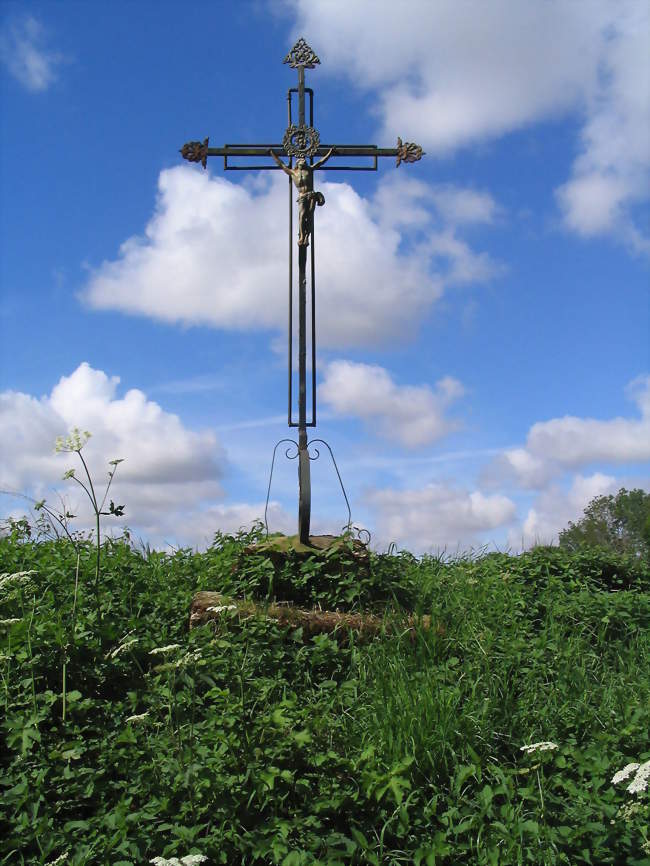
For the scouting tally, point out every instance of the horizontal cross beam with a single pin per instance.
(199, 151)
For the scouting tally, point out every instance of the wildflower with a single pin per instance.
(59, 860)
(163, 650)
(640, 781)
(122, 647)
(188, 860)
(138, 718)
(11, 621)
(624, 773)
(18, 578)
(74, 442)
(221, 607)
(538, 747)
(188, 658)
(628, 811)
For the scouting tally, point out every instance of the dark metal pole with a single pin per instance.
(304, 479)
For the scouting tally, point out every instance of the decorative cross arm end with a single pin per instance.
(408, 152)
(195, 151)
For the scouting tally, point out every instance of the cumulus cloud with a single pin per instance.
(170, 477)
(438, 516)
(408, 414)
(213, 254)
(570, 443)
(23, 51)
(449, 80)
(555, 507)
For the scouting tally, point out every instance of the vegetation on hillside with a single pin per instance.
(620, 523)
(497, 736)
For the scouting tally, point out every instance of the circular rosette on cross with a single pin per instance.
(300, 141)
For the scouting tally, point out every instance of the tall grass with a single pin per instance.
(247, 743)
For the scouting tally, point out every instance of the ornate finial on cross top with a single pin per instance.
(301, 55)
(301, 142)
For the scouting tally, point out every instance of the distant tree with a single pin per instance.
(620, 523)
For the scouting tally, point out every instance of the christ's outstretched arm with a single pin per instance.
(323, 160)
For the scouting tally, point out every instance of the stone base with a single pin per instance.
(278, 543)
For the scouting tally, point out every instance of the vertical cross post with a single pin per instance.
(302, 142)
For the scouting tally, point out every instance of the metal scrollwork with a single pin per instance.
(196, 151)
(300, 141)
(408, 151)
(363, 534)
(292, 444)
(301, 55)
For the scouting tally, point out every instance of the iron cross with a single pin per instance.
(302, 142)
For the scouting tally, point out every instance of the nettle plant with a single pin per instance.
(73, 444)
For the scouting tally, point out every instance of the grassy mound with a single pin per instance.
(134, 738)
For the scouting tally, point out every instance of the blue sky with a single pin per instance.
(482, 315)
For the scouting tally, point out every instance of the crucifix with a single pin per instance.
(302, 142)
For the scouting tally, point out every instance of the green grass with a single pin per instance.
(256, 746)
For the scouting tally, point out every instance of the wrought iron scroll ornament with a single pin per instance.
(300, 140)
(196, 151)
(301, 55)
(408, 152)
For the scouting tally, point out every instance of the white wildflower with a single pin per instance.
(18, 578)
(74, 442)
(59, 860)
(640, 781)
(123, 646)
(11, 621)
(628, 810)
(538, 747)
(624, 773)
(646, 847)
(162, 650)
(138, 718)
(221, 607)
(188, 860)
(188, 658)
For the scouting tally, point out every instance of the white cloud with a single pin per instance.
(438, 516)
(23, 52)
(562, 444)
(574, 442)
(555, 507)
(464, 206)
(170, 477)
(411, 415)
(449, 77)
(214, 253)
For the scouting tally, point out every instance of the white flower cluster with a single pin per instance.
(11, 621)
(122, 647)
(538, 747)
(188, 658)
(640, 781)
(188, 860)
(138, 718)
(219, 608)
(163, 650)
(18, 578)
(74, 442)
